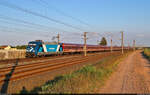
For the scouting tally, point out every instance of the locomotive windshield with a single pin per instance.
(31, 45)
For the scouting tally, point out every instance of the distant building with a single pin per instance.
(5, 47)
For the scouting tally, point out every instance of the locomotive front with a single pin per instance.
(32, 48)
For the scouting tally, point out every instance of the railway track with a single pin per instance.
(10, 62)
(30, 66)
(21, 64)
(22, 60)
(28, 70)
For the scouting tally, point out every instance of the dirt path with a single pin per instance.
(132, 76)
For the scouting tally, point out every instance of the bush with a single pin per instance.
(81, 81)
(147, 52)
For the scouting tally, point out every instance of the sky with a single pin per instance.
(97, 17)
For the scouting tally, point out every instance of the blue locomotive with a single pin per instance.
(39, 48)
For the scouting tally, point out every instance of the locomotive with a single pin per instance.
(40, 48)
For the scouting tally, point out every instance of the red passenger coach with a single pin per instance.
(72, 48)
(67, 47)
(95, 48)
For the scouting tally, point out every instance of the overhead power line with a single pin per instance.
(63, 13)
(22, 25)
(9, 5)
(21, 31)
(29, 23)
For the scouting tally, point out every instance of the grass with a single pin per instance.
(147, 53)
(88, 79)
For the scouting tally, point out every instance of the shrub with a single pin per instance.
(147, 52)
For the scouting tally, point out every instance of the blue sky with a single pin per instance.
(103, 16)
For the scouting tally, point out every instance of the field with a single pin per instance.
(12, 54)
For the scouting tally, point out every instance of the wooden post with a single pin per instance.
(122, 44)
(133, 45)
(58, 38)
(111, 46)
(85, 43)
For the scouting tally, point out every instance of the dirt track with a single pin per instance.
(132, 76)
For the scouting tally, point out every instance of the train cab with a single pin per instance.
(39, 48)
(33, 48)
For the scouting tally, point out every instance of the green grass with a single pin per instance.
(86, 80)
(147, 52)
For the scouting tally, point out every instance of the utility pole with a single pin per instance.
(128, 46)
(122, 44)
(58, 38)
(85, 38)
(134, 45)
(111, 45)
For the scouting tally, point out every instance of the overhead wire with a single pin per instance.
(34, 13)
(22, 25)
(63, 13)
(29, 23)
(9, 5)
(21, 31)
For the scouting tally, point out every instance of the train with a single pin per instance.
(39, 48)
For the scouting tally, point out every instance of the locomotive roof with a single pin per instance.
(52, 43)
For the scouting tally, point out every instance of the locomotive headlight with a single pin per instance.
(31, 49)
(27, 50)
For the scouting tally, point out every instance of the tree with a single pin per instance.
(103, 41)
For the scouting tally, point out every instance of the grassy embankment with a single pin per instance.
(86, 80)
(147, 53)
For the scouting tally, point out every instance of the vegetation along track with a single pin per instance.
(27, 70)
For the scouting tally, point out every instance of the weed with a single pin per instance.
(146, 53)
(86, 80)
